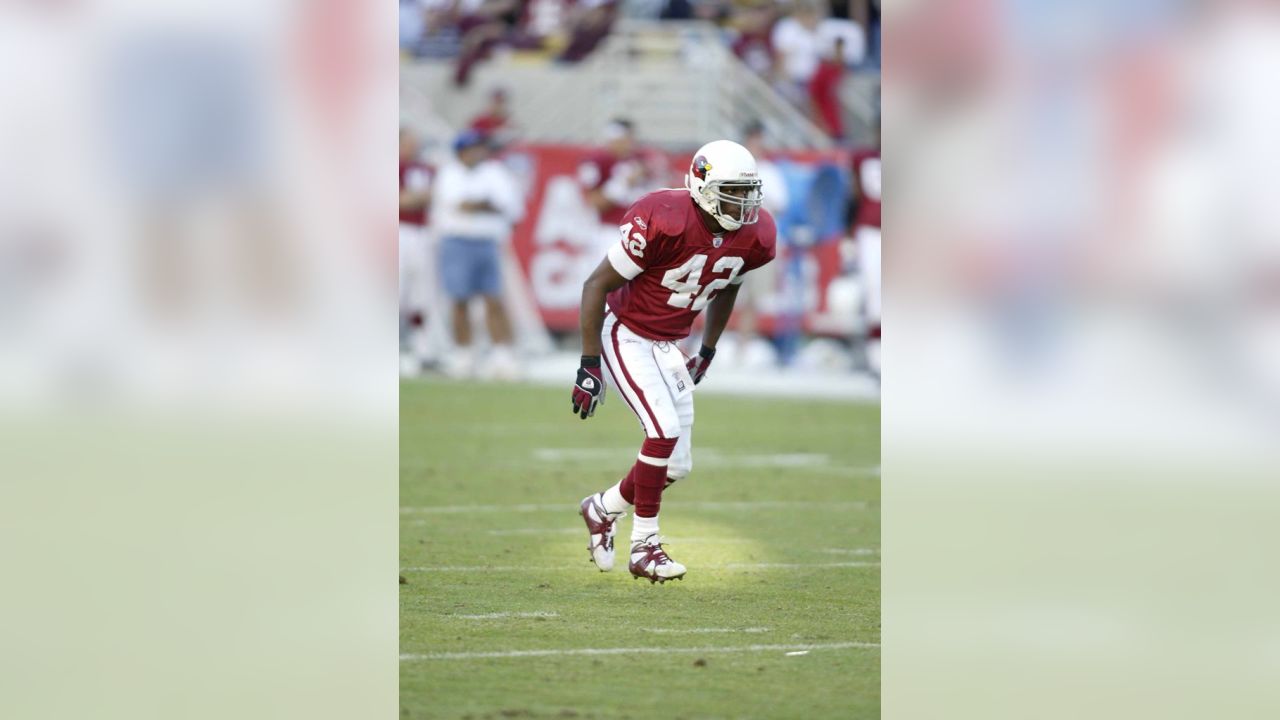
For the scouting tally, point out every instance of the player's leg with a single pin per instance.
(502, 363)
(633, 364)
(630, 367)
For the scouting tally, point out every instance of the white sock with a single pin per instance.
(612, 500)
(643, 527)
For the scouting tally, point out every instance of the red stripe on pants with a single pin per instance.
(617, 352)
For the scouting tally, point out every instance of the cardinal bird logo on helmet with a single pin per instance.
(701, 167)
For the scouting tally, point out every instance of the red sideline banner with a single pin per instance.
(561, 240)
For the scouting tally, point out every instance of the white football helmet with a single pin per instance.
(725, 164)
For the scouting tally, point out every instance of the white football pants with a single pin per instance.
(415, 271)
(653, 380)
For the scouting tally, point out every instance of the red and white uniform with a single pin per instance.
(415, 262)
(866, 227)
(675, 266)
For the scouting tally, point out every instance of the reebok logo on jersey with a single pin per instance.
(641, 223)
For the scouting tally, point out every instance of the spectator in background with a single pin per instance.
(866, 13)
(751, 43)
(796, 44)
(428, 28)
(494, 122)
(415, 280)
(590, 22)
(676, 10)
(476, 204)
(824, 91)
(616, 176)
(487, 24)
(482, 25)
(412, 23)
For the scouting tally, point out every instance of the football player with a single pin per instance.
(680, 251)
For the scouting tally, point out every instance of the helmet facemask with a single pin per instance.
(733, 209)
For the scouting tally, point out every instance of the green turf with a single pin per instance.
(807, 474)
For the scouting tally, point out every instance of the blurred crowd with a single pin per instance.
(800, 47)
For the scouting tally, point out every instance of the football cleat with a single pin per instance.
(650, 561)
(601, 527)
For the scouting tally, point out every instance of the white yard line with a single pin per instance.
(851, 551)
(695, 505)
(704, 631)
(712, 457)
(500, 615)
(586, 566)
(634, 651)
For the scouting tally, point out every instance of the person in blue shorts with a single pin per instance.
(477, 202)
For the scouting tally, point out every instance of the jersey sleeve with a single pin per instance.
(635, 248)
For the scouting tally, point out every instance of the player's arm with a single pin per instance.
(599, 200)
(591, 176)
(414, 199)
(604, 280)
(718, 312)
(588, 391)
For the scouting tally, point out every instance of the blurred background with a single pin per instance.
(580, 108)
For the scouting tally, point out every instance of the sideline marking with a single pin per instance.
(632, 651)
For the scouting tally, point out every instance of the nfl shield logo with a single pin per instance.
(716, 241)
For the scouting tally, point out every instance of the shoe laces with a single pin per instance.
(652, 545)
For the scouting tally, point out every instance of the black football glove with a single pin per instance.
(588, 391)
(699, 363)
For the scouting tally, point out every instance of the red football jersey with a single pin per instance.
(866, 165)
(414, 176)
(676, 266)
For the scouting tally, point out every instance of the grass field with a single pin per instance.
(504, 616)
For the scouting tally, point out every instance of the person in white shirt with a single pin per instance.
(476, 203)
(796, 42)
